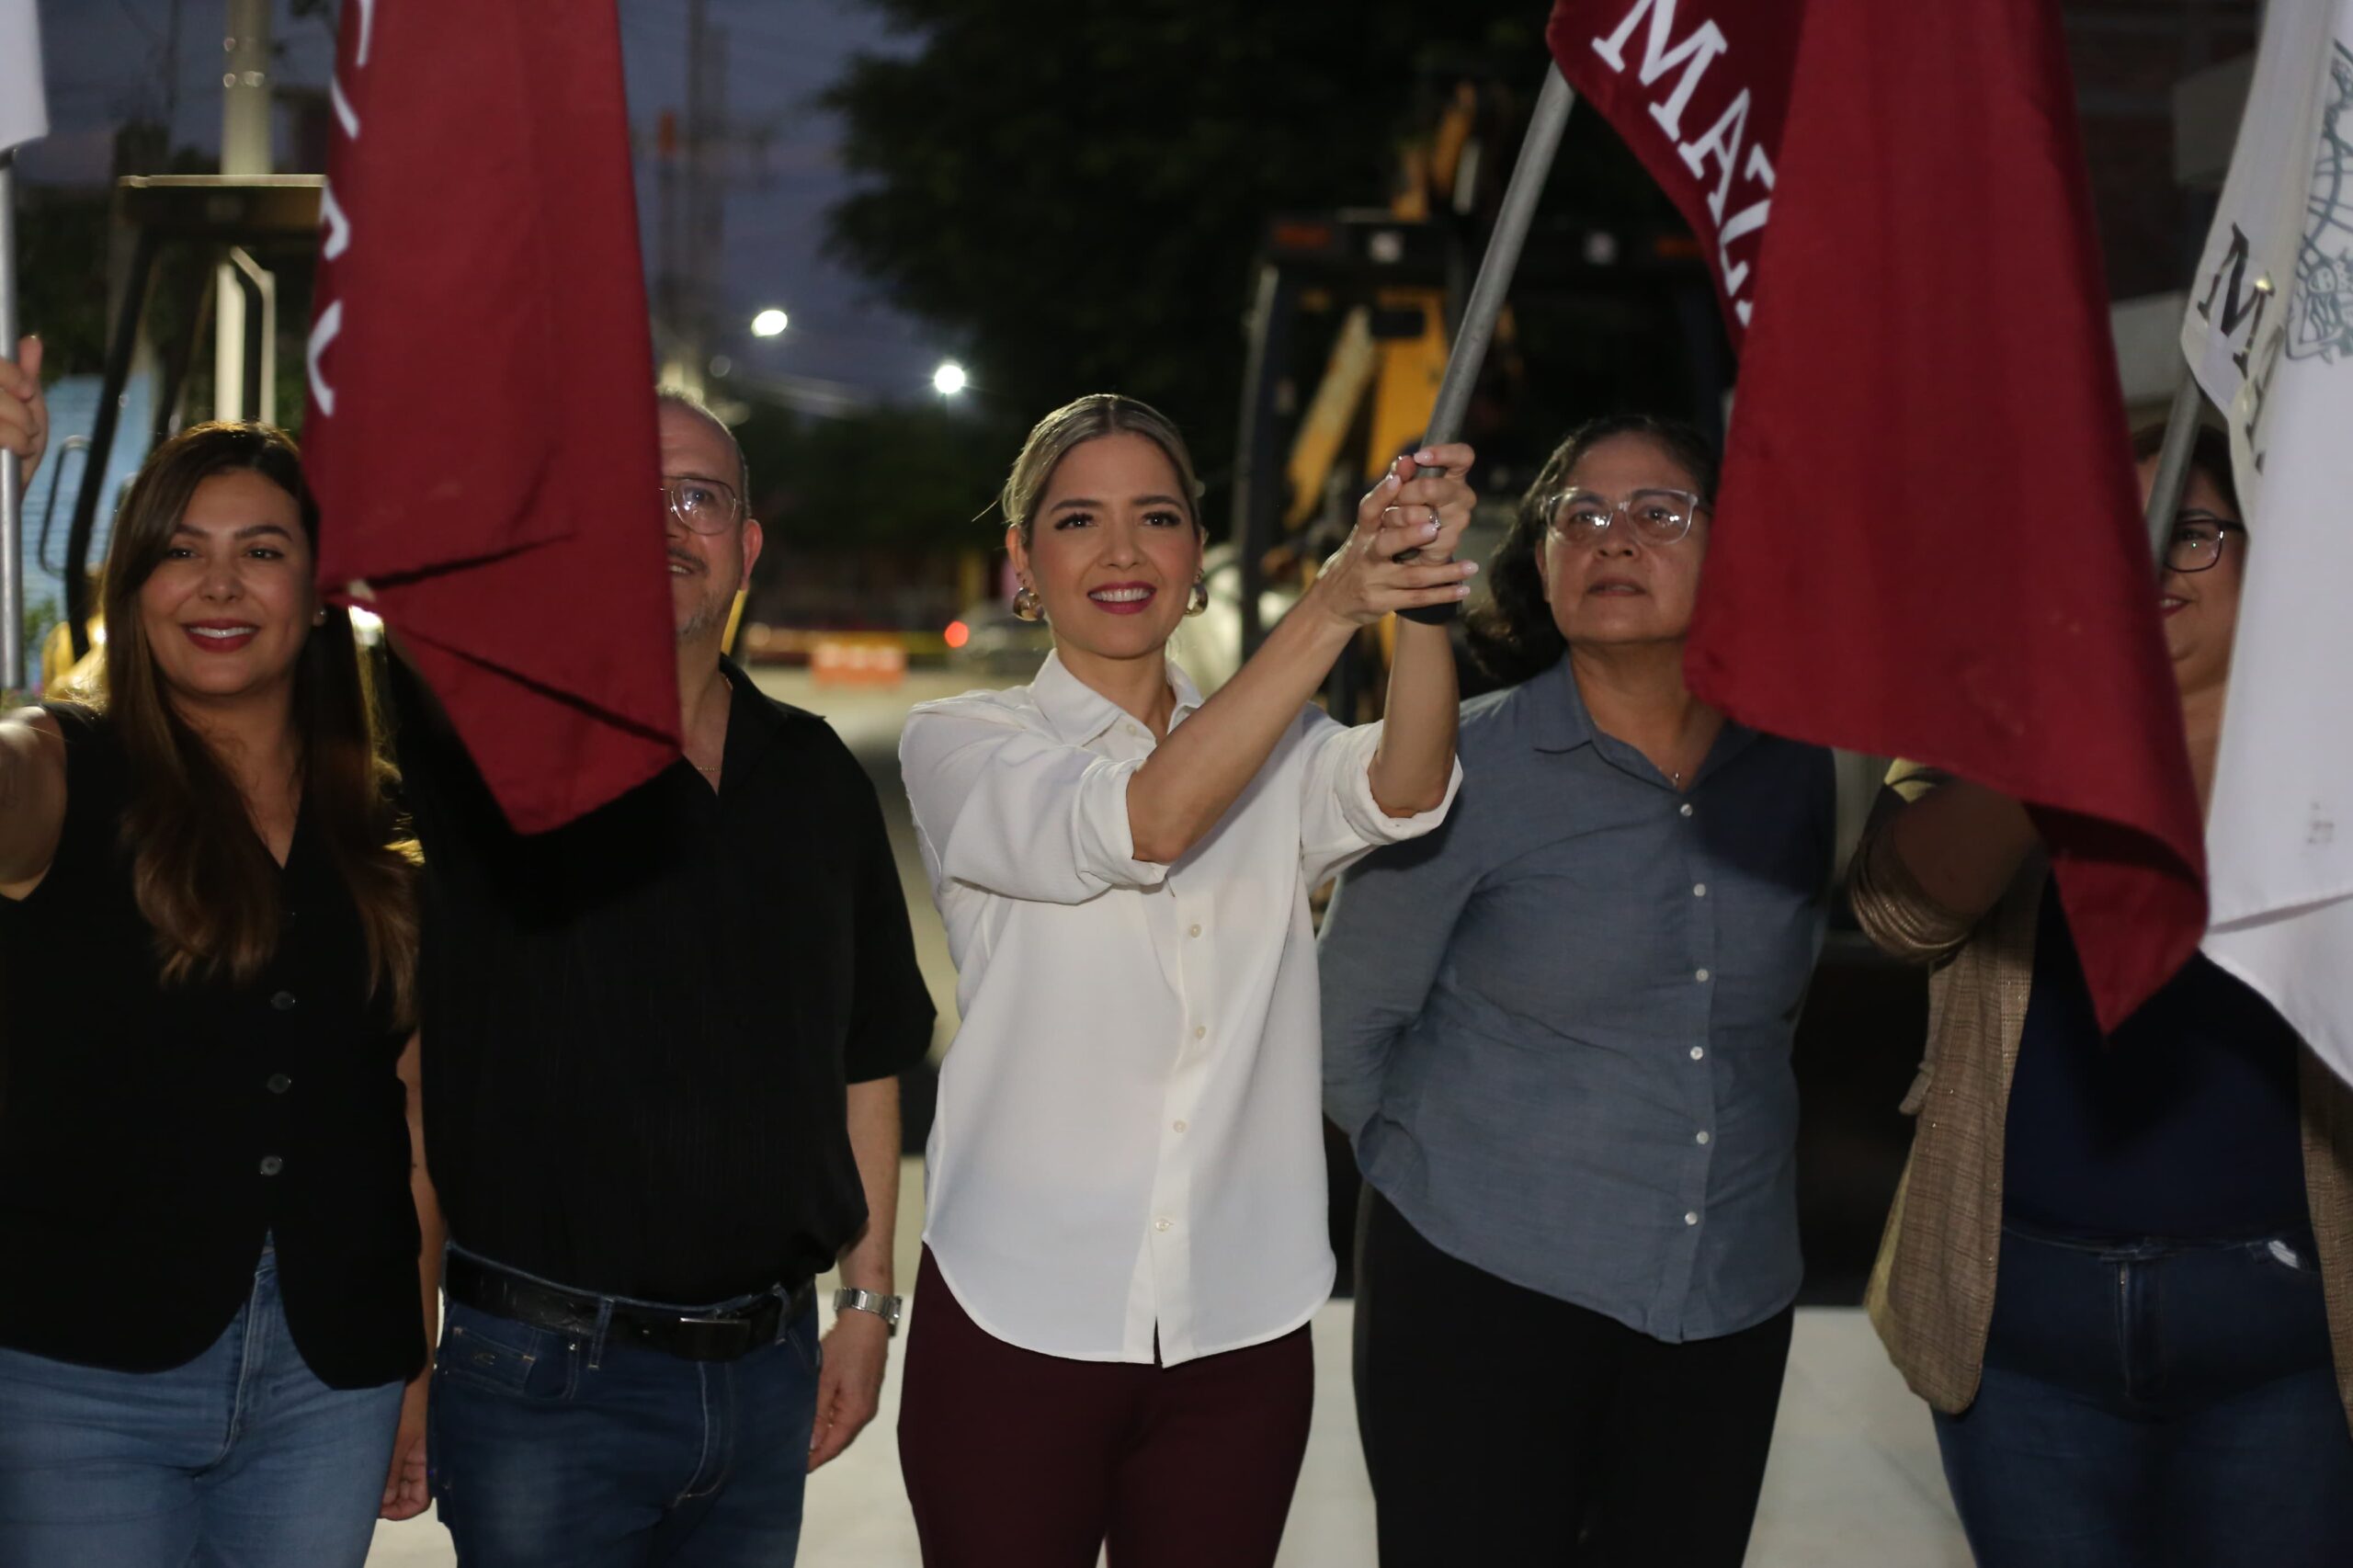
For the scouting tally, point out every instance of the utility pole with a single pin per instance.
(669, 267)
(244, 387)
(709, 232)
(245, 90)
(171, 71)
(696, 152)
(689, 249)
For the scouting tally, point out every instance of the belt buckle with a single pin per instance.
(708, 1339)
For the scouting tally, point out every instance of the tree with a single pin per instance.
(1077, 190)
(907, 477)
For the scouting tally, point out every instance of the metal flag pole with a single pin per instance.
(12, 509)
(2173, 464)
(1494, 283)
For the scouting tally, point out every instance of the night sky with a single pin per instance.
(106, 63)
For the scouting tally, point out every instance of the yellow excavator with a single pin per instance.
(1384, 288)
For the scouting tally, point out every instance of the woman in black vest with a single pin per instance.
(207, 1210)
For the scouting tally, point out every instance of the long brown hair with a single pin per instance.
(203, 879)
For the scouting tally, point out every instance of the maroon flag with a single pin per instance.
(1927, 542)
(481, 427)
(1700, 91)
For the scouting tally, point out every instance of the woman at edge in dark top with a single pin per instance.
(210, 1194)
(2119, 1270)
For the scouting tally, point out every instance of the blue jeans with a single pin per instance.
(556, 1452)
(241, 1459)
(2153, 1402)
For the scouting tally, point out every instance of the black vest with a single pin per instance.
(150, 1137)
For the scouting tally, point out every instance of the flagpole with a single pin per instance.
(1492, 285)
(12, 518)
(2173, 464)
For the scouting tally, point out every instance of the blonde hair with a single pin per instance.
(1073, 425)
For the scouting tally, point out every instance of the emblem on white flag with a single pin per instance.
(2269, 335)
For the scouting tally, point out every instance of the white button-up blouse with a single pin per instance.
(1129, 1135)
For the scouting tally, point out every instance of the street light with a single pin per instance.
(949, 379)
(768, 322)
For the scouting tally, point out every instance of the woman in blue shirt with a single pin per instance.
(1557, 1031)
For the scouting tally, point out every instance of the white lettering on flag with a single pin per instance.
(1723, 143)
(334, 224)
(1722, 138)
(2269, 335)
(1745, 222)
(1694, 54)
(24, 111)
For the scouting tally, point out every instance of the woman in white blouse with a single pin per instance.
(1125, 1231)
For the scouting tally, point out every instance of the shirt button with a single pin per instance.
(1133, 730)
(271, 1165)
(278, 1083)
(283, 1001)
(1193, 930)
(1700, 975)
(1699, 890)
(1162, 1224)
(1703, 1136)
(1687, 808)
(1178, 1125)
(1697, 1052)
(1692, 1218)
(1199, 1030)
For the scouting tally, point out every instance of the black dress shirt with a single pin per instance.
(638, 1028)
(151, 1136)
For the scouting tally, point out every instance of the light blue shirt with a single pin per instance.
(1557, 1029)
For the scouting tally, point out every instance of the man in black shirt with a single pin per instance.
(660, 1055)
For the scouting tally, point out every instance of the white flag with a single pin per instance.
(2269, 335)
(24, 113)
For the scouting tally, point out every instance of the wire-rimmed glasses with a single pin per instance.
(704, 506)
(1655, 517)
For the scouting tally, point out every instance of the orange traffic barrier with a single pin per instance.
(858, 661)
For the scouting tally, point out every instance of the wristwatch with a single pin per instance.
(884, 1307)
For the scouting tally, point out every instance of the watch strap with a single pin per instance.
(887, 1308)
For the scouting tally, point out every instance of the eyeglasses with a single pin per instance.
(1653, 517)
(704, 506)
(2197, 541)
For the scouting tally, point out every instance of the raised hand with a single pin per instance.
(1364, 581)
(24, 413)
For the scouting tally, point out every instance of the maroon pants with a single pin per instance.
(1018, 1459)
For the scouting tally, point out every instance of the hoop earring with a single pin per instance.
(1200, 600)
(1026, 605)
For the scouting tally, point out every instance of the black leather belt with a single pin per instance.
(692, 1336)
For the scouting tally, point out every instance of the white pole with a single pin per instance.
(245, 154)
(1492, 285)
(12, 507)
(2173, 464)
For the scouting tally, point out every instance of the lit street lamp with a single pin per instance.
(949, 379)
(768, 322)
